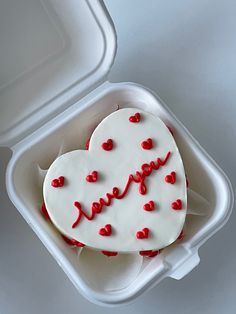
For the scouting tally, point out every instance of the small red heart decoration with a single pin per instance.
(181, 235)
(149, 206)
(105, 231)
(171, 178)
(142, 234)
(149, 253)
(44, 211)
(72, 242)
(109, 253)
(92, 177)
(58, 183)
(87, 144)
(135, 118)
(145, 253)
(147, 144)
(177, 205)
(108, 145)
(154, 253)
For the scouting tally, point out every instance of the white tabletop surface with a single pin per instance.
(186, 52)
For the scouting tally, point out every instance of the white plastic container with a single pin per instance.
(53, 91)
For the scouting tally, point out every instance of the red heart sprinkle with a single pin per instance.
(149, 253)
(45, 212)
(135, 118)
(142, 234)
(106, 231)
(171, 178)
(87, 144)
(149, 206)
(109, 253)
(72, 241)
(58, 183)
(177, 205)
(92, 177)
(147, 144)
(145, 253)
(154, 253)
(181, 235)
(108, 145)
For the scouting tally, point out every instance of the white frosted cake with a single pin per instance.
(126, 192)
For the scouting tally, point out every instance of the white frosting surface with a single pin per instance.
(125, 215)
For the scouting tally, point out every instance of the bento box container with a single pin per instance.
(53, 93)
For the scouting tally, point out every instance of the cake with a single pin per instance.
(125, 193)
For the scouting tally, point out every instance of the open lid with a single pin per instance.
(52, 53)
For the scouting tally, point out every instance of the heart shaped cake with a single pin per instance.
(126, 193)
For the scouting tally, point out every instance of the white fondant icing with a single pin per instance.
(126, 215)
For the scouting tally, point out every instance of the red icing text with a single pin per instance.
(139, 177)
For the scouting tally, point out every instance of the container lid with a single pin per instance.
(52, 53)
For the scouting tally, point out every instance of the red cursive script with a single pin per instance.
(139, 177)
